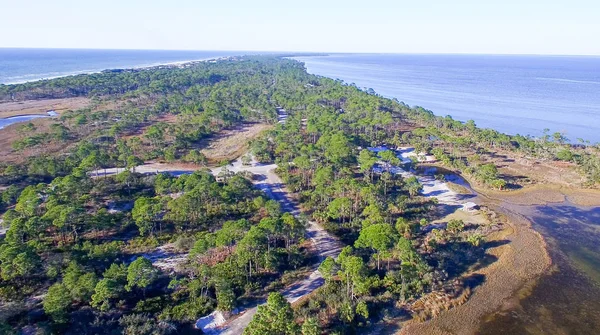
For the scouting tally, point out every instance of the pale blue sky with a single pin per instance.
(377, 26)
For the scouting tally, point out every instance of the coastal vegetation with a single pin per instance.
(393, 256)
(87, 252)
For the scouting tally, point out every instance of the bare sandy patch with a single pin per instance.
(458, 188)
(475, 218)
(232, 143)
(29, 107)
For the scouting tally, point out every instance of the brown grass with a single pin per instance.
(526, 170)
(10, 134)
(519, 262)
(29, 107)
(541, 194)
(166, 118)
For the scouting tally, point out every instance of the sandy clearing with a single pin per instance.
(232, 143)
(475, 218)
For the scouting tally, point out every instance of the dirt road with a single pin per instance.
(325, 244)
(273, 186)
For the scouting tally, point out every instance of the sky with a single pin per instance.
(568, 27)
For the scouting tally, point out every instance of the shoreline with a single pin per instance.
(137, 67)
(10, 122)
(398, 83)
(26, 115)
(520, 264)
(41, 107)
(543, 194)
(524, 308)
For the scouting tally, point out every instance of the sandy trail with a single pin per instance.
(267, 181)
(273, 186)
(325, 244)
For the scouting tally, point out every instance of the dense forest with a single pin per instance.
(84, 254)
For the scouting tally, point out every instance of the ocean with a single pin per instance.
(512, 94)
(23, 65)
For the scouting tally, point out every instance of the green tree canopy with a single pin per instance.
(56, 302)
(380, 237)
(275, 317)
(140, 273)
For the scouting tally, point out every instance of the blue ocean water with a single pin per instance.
(513, 94)
(22, 65)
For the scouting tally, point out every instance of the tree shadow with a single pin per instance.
(514, 182)
(456, 258)
(442, 210)
(569, 225)
(494, 244)
(474, 280)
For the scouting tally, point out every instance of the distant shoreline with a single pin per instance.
(129, 64)
(139, 67)
(511, 94)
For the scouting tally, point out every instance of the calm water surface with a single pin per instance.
(10, 120)
(513, 94)
(566, 301)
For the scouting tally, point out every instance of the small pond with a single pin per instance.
(23, 118)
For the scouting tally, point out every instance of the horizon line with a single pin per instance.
(280, 52)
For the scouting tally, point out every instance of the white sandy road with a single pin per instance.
(325, 244)
(267, 181)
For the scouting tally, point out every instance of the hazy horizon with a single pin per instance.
(381, 26)
(275, 52)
